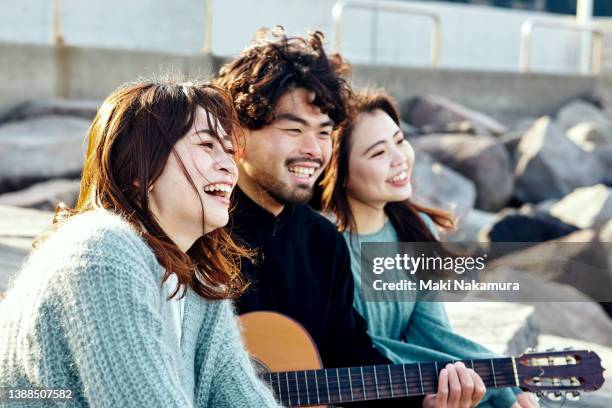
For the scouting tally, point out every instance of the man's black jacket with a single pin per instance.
(302, 270)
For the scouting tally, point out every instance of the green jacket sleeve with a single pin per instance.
(235, 382)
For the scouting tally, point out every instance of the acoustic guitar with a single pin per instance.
(287, 359)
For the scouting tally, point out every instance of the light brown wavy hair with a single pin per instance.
(131, 138)
(273, 65)
(404, 216)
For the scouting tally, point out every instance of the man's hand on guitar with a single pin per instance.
(458, 387)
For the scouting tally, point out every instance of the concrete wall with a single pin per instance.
(506, 96)
(473, 37)
(30, 71)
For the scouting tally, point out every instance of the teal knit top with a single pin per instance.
(410, 332)
(86, 313)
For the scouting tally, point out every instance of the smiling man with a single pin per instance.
(290, 95)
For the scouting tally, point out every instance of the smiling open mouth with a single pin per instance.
(218, 190)
(400, 177)
(302, 172)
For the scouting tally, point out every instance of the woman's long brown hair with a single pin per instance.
(404, 216)
(131, 138)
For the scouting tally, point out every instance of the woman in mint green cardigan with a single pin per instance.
(126, 301)
(367, 189)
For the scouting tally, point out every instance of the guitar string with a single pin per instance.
(369, 386)
(409, 374)
(501, 380)
(291, 395)
(372, 387)
(398, 380)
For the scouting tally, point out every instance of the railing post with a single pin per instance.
(584, 17)
(207, 47)
(527, 29)
(56, 31)
(341, 5)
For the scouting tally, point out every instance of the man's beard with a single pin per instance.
(282, 193)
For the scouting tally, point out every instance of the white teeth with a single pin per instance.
(218, 187)
(400, 177)
(302, 171)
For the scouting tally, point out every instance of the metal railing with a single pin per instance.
(596, 43)
(57, 37)
(207, 48)
(389, 6)
(56, 32)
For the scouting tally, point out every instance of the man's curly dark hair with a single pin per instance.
(274, 64)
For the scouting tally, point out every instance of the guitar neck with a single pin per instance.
(338, 385)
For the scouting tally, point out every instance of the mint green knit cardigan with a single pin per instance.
(85, 313)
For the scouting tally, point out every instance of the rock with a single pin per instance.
(513, 227)
(45, 195)
(18, 228)
(604, 154)
(409, 130)
(40, 149)
(84, 109)
(436, 185)
(586, 207)
(11, 258)
(464, 127)
(23, 222)
(580, 111)
(589, 136)
(579, 260)
(439, 113)
(560, 309)
(467, 236)
(505, 328)
(542, 167)
(478, 158)
(605, 234)
(510, 141)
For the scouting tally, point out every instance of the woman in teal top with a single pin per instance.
(126, 301)
(367, 189)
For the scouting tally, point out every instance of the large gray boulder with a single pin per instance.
(579, 260)
(436, 185)
(437, 113)
(560, 309)
(85, 109)
(589, 136)
(604, 154)
(11, 258)
(40, 149)
(549, 165)
(513, 226)
(467, 237)
(480, 159)
(580, 111)
(45, 195)
(18, 228)
(585, 207)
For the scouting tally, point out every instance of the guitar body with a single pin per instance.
(278, 343)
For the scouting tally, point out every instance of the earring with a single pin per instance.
(150, 189)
